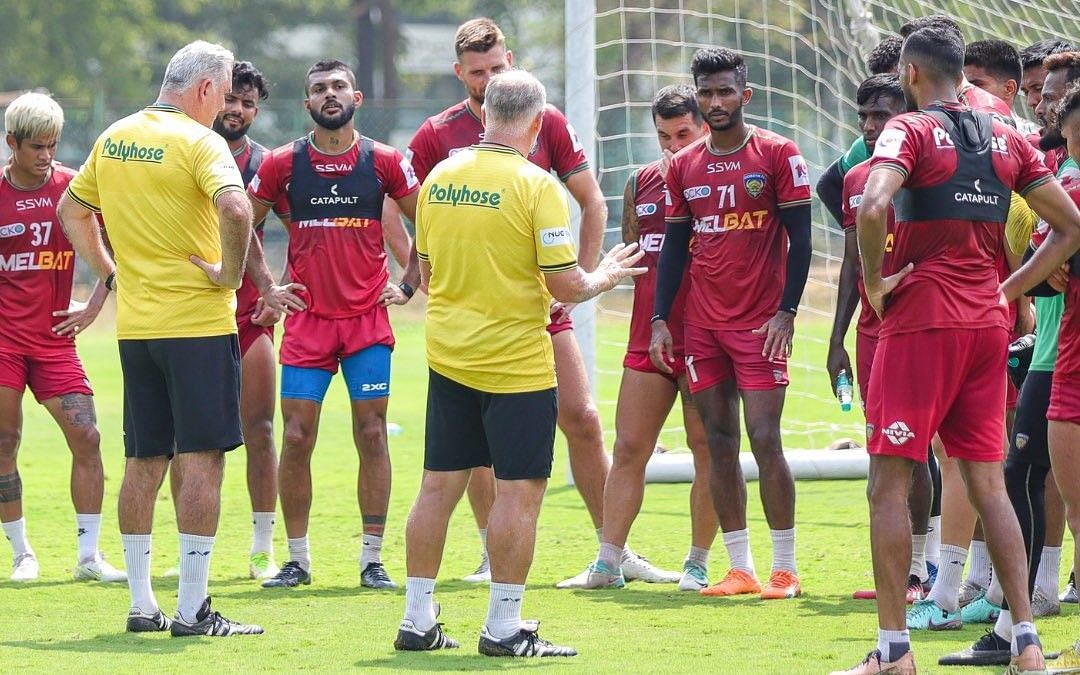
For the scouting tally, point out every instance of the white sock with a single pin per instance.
(1004, 625)
(995, 594)
(946, 590)
(504, 610)
(1023, 633)
(418, 605)
(483, 539)
(737, 543)
(370, 551)
(298, 552)
(16, 534)
(893, 644)
(933, 541)
(979, 566)
(89, 528)
(195, 553)
(262, 532)
(918, 557)
(698, 556)
(783, 552)
(1049, 575)
(610, 555)
(137, 562)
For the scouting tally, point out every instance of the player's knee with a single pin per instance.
(765, 441)
(370, 434)
(86, 444)
(582, 421)
(298, 438)
(630, 455)
(9, 443)
(259, 436)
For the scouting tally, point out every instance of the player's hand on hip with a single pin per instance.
(284, 299)
(661, 352)
(836, 361)
(76, 317)
(619, 263)
(212, 270)
(264, 315)
(779, 332)
(560, 312)
(392, 295)
(878, 293)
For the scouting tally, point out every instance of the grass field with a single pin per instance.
(60, 625)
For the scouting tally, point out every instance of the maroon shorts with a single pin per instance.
(715, 356)
(640, 362)
(1064, 398)
(248, 332)
(865, 346)
(48, 376)
(944, 380)
(555, 327)
(313, 341)
(1012, 394)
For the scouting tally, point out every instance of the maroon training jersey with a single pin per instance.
(984, 101)
(247, 295)
(341, 261)
(456, 128)
(1050, 159)
(854, 185)
(37, 265)
(739, 246)
(954, 283)
(1068, 359)
(650, 199)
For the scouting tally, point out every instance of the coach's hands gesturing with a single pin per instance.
(779, 331)
(877, 292)
(618, 264)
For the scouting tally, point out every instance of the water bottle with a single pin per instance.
(844, 391)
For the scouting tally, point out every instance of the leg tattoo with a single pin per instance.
(11, 488)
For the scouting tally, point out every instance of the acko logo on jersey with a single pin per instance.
(898, 433)
(697, 192)
(130, 151)
(643, 210)
(464, 195)
(754, 184)
(556, 236)
(12, 230)
(854, 201)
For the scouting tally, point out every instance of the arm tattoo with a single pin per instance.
(10, 488)
(79, 409)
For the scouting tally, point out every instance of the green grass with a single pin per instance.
(333, 625)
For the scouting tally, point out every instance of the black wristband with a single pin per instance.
(408, 290)
(657, 317)
(109, 280)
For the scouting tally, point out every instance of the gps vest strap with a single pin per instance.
(974, 192)
(316, 197)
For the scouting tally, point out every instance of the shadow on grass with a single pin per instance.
(456, 660)
(301, 593)
(106, 643)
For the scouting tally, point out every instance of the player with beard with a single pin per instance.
(334, 181)
(37, 333)
(944, 330)
(740, 209)
(481, 53)
(646, 394)
(1031, 83)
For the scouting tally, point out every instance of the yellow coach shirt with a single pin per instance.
(154, 177)
(490, 223)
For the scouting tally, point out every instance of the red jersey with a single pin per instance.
(456, 128)
(954, 283)
(650, 197)
(1050, 159)
(1068, 359)
(854, 185)
(37, 266)
(739, 246)
(341, 260)
(984, 101)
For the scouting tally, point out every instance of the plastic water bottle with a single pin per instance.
(844, 391)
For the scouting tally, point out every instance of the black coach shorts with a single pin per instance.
(467, 428)
(182, 394)
(1028, 443)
